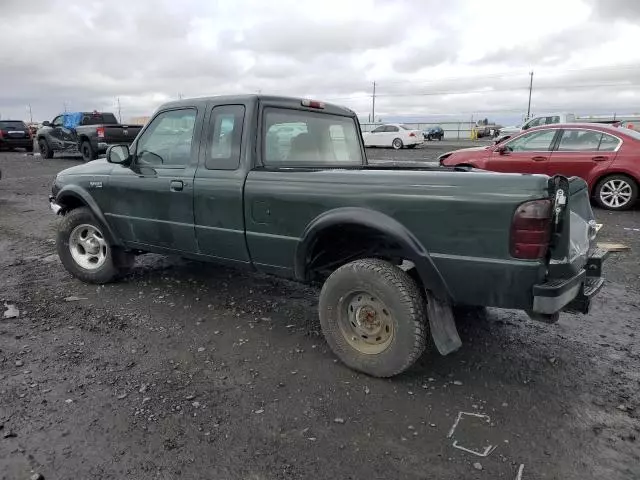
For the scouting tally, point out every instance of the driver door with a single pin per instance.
(151, 201)
(62, 138)
(526, 153)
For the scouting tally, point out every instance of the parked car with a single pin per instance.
(231, 190)
(90, 133)
(605, 156)
(433, 133)
(15, 134)
(393, 135)
(539, 121)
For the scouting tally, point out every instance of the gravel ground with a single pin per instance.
(184, 370)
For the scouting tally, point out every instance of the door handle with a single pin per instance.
(539, 159)
(176, 186)
(599, 158)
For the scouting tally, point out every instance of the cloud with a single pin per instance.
(425, 56)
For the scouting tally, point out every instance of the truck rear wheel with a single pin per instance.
(85, 251)
(373, 317)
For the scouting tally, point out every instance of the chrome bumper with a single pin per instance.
(55, 208)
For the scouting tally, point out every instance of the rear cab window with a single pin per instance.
(98, 118)
(311, 139)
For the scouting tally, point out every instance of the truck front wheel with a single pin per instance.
(86, 253)
(87, 151)
(373, 316)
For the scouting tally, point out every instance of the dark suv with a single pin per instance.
(15, 134)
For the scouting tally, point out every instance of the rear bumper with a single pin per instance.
(571, 294)
(16, 142)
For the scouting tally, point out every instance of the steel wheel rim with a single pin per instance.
(88, 247)
(366, 323)
(616, 193)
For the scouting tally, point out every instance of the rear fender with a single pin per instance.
(411, 248)
(71, 194)
(442, 322)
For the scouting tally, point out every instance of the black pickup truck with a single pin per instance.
(283, 186)
(90, 133)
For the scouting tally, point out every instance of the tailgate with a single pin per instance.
(574, 227)
(121, 133)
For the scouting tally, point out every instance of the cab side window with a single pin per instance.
(57, 122)
(168, 139)
(378, 130)
(538, 141)
(225, 127)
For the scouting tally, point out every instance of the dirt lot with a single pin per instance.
(193, 371)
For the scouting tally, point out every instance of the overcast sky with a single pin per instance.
(453, 58)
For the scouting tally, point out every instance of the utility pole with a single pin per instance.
(30, 114)
(530, 89)
(64, 105)
(179, 95)
(119, 111)
(373, 104)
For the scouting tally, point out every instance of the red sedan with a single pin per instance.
(607, 157)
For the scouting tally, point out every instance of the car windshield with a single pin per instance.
(8, 124)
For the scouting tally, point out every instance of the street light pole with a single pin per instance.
(30, 114)
(373, 104)
(530, 90)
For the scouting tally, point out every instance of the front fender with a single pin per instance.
(72, 194)
(411, 248)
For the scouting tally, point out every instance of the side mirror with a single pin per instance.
(118, 154)
(502, 149)
(46, 123)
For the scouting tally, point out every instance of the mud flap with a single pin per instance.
(443, 325)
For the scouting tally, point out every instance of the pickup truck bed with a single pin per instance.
(225, 180)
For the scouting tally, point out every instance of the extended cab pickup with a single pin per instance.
(90, 133)
(282, 186)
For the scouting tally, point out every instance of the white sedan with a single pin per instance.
(393, 135)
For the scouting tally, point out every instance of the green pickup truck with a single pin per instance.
(283, 186)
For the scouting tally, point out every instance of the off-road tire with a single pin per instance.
(117, 263)
(402, 297)
(87, 151)
(45, 148)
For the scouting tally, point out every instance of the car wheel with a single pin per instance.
(616, 192)
(373, 317)
(397, 143)
(87, 151)
(440, 137)
(45, 149)
(85, 251)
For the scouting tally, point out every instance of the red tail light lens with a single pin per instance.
(312, 104)
(100, 132)
(412, 134)
(531, 230)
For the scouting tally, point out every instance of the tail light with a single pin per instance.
(100, 132)
(531, 230)
(412, 134)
